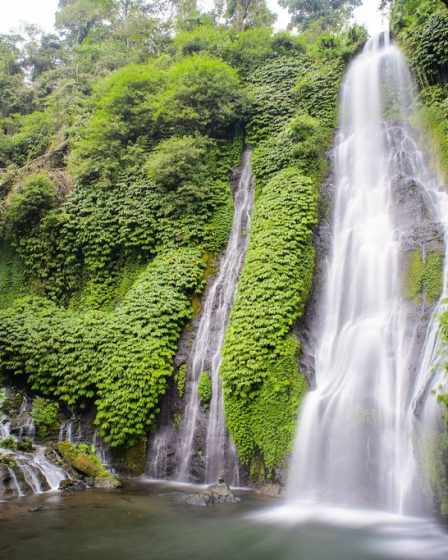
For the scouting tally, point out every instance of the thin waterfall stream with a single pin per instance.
(354, 443)
(220, 454)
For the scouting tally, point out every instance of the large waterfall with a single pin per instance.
(354, 443)
(205, 356)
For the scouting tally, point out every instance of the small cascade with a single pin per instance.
(28, 429)
(5, 429)
(66, 431)
(354, 443)
(158, 457)
(196, 427)
(102, 451)
(27, 473)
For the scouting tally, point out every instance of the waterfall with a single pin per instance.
(355, 432)
(29, 473)
(219, 453)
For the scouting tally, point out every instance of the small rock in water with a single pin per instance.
(69, 484)
(271, 489)
(218, 493)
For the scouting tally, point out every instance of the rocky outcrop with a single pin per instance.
(82, 459)
(218, 493)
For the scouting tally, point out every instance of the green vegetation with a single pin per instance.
(205, 388)
(121, 360)
(181, 378)
(45, 415)
(8, 442)
(82, 458)
(422, 28)
(262, 383)
(117, 139)
(424, 276)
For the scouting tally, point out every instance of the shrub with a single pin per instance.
(26, 208)
(202, 95)
(45, 414)
(205, 388)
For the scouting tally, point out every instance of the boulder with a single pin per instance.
(218, 493)
(69, 484)
(270, 489)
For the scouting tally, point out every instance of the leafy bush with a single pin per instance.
(8, 442)
(179, 161)
(32, 137)
(123, 114)
(26, 208)
(120, 360)
(202, 95)
(205, 388)
(45, 415)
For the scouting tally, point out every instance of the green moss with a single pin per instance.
(135, 458)
(8, 461)
(434, 468)
(414, 275)
(177, 419)
(433, 276)
(82, 458)
(424, 276)
(205, 388)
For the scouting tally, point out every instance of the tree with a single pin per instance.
(244, 14)
(303, 12)
(202, 95)
(77, 17)
(15, 96)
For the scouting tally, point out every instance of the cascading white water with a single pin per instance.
(354, 438)
(33, 472)
(220, 453)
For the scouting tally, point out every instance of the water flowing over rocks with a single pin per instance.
(192, 443)
(32, 464)
(363, 342)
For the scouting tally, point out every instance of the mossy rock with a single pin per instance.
(135, 458)
(9, 442)
(82, 459)
(8, 461)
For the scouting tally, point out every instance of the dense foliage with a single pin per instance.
(262, 383)
(422, 28)
(119, 360)
(117, 138)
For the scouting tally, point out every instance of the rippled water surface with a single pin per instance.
(148, 521)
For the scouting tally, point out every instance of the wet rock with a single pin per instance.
(218, 493)
(110, 481)
(5, 478)
(8, 461)
(82, 459)
(69, 484)
(271, 489)
(25, 444)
